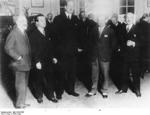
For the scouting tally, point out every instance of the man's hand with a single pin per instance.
(39, 65)
(130, 43)
(19, 58)
(80, 50)
(55, 60)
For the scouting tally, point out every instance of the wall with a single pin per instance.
(101, 7)
(97, 6)
(7, 7)
(49, 6)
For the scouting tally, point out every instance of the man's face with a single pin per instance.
(49, 16)
(114, 20)
(83, 16)
(41, 22)
(22, 23)
(101, 21)
(130, 18)
(70, 7)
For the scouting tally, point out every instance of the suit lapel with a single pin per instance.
(103, 32)
(130, 29)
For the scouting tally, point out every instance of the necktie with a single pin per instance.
(100, 31)
(128, 28)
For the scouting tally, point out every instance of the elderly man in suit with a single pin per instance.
(18, 48)
(144, 31)
(106, 46)
(92, 48)
(49, 25)
(84, 54)
(66, 49)
(103, 43)
(41, 80)
(117, 57)
(131, 50)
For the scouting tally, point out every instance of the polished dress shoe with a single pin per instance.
(40, 100)
(22, 106)
(89, 94)
(74, 94)
(53, 99)
(104, 95)
(59, 97)
(120, 92)
(138, 93)
(27, 105)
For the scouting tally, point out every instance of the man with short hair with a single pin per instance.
(106, 46)
(49, 26)
(18, 48)
(41, 80)
(117, 57)
(131, 56)
(66, 49)
(84, 50)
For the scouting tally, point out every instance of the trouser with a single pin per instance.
(70, 75)
(105, 74)
(65, 74)
(95, 75)
(131, 76)
(41, 82)
(49, 83)
(21, 83)
(143, 58)
(116, 68)
(59, 76)
(84, 69)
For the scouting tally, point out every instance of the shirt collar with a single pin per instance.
(68, 15)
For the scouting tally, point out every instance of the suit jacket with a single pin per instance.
(83, 34)
(41, 48)
(144, 38)
(17, 44)
(49, 29)
(132, 53)
(66, 34)
(118, 30)
(106, 43)
(92, 42)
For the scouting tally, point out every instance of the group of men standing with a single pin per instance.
(57, 52)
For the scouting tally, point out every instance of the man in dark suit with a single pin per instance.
(106, 46)
(49, 25)
(92, 48)
(117, 57)
(66, 48)
(131, 52)
(41, 80)
(18, 48)
(83, 59)
(144, 30)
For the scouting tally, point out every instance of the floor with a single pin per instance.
(128, 100)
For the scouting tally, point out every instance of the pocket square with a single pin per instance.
(106, 36)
